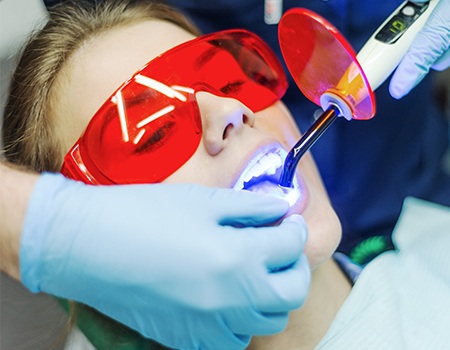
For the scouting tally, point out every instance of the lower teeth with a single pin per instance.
(266, 187)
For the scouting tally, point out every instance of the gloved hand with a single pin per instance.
(168, 260)
(430, 48)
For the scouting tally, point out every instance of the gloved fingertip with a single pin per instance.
(395, 91)
(272, 204)
(262, 199)
(274, 199)
(295, 218)
(399, 88)
(299, 221)
(245, 339)
(404, 79)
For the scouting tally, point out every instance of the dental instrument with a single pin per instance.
(342, 84)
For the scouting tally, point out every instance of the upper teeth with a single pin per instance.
(267, 164)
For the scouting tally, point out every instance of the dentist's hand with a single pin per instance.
(168, 260)
(430, 49)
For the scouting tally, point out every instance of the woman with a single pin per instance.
(233, 145)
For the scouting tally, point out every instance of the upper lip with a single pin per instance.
(266, 162)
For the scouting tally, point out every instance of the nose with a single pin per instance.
(222, 117)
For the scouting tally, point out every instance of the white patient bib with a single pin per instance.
(401, 300)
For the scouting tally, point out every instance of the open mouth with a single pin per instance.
(262, 175)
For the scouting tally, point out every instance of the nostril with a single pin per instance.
(248, 119)
(227, 130)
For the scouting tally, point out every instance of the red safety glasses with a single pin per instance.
(151, 125)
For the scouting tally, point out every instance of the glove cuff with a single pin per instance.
(37, 221)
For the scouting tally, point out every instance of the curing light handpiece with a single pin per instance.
(308, 42)
(304, 144)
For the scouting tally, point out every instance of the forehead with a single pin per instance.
(101, 65)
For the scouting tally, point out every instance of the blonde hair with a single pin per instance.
(28, 132)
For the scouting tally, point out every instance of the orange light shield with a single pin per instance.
(323, 63)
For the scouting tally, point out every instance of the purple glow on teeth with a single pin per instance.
(262, 176)
(291, 195)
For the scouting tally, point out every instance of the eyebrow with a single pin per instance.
(206, 56)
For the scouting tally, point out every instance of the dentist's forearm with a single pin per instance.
(15, 190)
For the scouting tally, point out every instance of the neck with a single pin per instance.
(308, 325)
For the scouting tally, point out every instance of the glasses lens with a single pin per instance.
(142, 135)
(152, 125)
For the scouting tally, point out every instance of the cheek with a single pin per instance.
(278, 122)
(211, 173)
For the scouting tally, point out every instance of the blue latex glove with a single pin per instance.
(430, 49)
(163, 259)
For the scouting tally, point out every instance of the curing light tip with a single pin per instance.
(304, 144)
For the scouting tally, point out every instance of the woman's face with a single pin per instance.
(233, 136)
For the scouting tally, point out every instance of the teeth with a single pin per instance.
(261, 176)
(267, 164)
(275, 161)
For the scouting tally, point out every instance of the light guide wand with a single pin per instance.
(319, 126)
